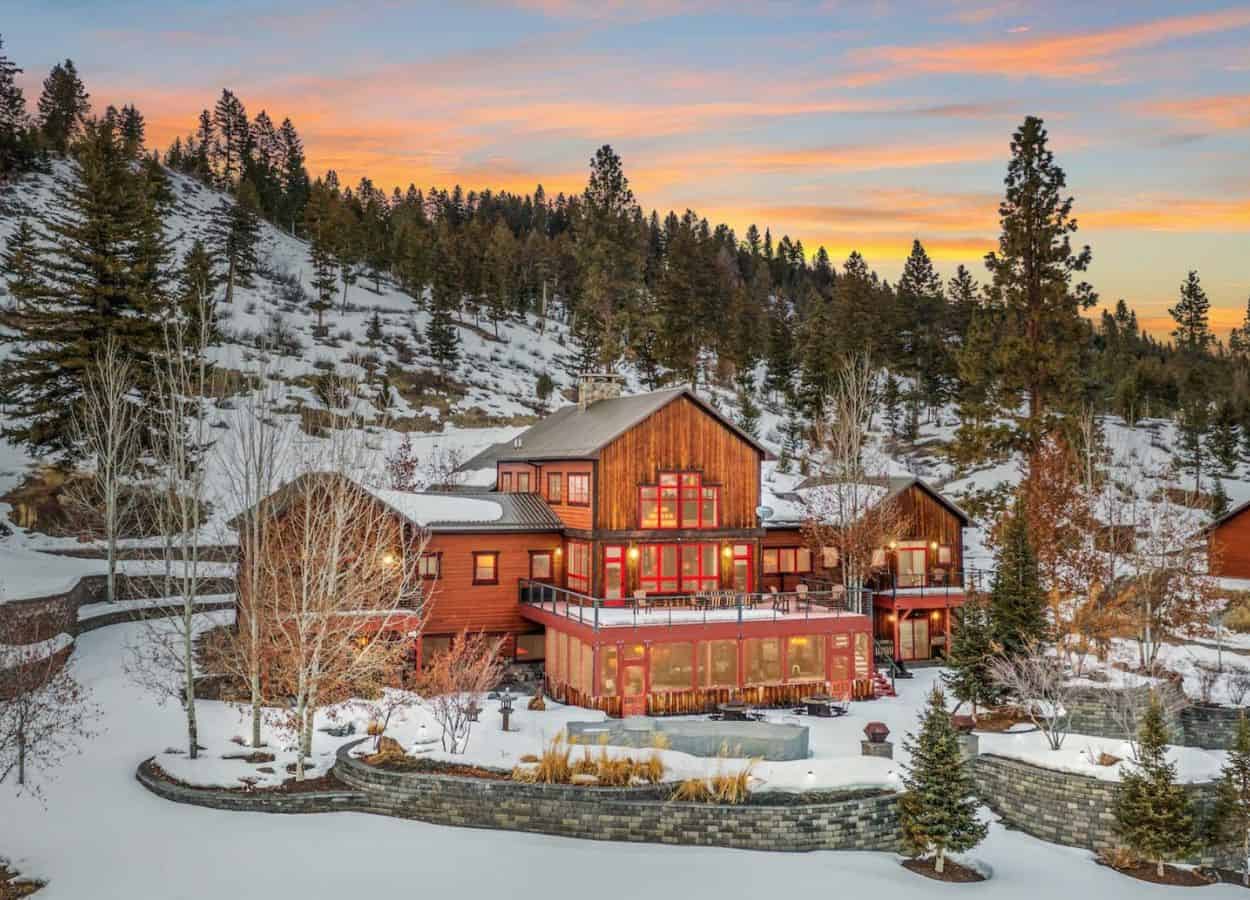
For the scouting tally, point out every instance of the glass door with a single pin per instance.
(613, 572)
(911, 564)
(742, 568)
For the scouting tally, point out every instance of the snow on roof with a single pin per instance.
(821, 501)
(422, 509)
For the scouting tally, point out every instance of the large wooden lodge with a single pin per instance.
(626, 544)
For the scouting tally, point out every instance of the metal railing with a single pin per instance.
(690, 609)
(926, 584)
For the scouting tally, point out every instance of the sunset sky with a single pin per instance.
(856, 125)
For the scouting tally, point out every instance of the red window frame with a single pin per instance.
(505, 482)
(555, 480)
(579, 489)
(577, 566)
(494, 555)
(706, 575)
(614, 556)
(662, 506)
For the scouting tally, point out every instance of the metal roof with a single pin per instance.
(894, 484)
(521, 512)
(575, 433)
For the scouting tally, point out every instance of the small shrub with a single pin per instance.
(1238, 685)
(553, 763)
(1118, 858)
(614, 772)
(586, 765)
(651, 770)
(733, 787)
(693, 790)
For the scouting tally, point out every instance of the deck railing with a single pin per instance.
(706, 607)
(926, 584)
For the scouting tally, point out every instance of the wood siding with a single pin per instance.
(929, 520)
(679, 437)
(512, 469)
(1230, 547)
(459, 603)
(578, 517)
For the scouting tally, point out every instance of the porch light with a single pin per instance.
(933, 545)
(388, 559)
(633, 553)
(893, 545)
(727, 550)
(558, 551)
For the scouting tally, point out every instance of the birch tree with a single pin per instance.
(254, 454)
(163, 660)
(106, 428)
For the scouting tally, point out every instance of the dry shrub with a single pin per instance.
(614, 772)
(650, 770)
(1118, 858)
(553, 764)
(733, 787)
(586, 765)
(693, 790)
(375, 728)
(526, 773)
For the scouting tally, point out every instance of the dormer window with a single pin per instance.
(679, 500)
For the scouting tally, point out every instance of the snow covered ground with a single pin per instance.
(101, 835)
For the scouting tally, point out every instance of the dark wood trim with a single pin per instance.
(547, 486)
(568, 493)
(438, 556)
(551, 565)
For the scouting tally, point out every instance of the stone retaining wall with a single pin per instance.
(1207, 727)
(1063, 807)
(346, 800)
(861, 821)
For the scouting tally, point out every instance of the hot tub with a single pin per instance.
(698, 737)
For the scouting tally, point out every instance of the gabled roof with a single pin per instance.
(893, 486)
(575, 433)
(1231, 514)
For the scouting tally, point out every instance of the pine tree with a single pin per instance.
(1038, 337)
(938, 811)
(441, 334)
(1231, 820)
(197, 289)
(971, 649)
(63, 107)
(1224, 438)
(235, 236)
(17, 150)
(1219, 499)
(1193, 423)
(373, 329)
(1017, 602)
(1152, 814)
(748, 411)
(1191, 314)
(21, 267)
(233, 138)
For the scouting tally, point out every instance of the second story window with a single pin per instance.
(505, 482)
(428, 565)
(486, 567)
(578, 566)
(579, 490)
(680, 500)
(523, 482)
(555, 487)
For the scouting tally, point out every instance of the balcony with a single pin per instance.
(931, 583)
(808, 602)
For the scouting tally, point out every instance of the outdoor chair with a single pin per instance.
(640, 600)
(800, 597)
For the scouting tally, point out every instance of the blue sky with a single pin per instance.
(852, 125)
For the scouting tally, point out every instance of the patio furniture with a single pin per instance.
(734, 711)
(801, 602)
(640, 600)
(824, 706)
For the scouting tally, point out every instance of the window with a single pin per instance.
(787, 560)
(555, 487)
(579, 566)
(540, 565)
(829, 558)
(613, 572)
(945, 555)
(505, 482)
(573, 668)
(579, 490)
(669, 568)
(672, 667)
(607, 671)
(718, 664)
(679, 501)
(523, 482)
(805, 657)
(429, 565)
(762, 660)
(485, 567)
(530, 647)
(878, 558)
(587, 680)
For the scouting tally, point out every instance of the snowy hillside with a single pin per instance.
(492, 392)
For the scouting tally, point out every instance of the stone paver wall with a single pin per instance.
(1207, 727)
(861, 821)
(1062, 807)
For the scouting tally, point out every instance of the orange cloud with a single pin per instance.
(867, 157)
(1174, 214)
(1225, 112)
(1053, 56)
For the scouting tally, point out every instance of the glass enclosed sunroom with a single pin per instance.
(689, 654)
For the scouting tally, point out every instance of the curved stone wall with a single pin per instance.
(1064, 807)
(866, 820)
(1207, 727)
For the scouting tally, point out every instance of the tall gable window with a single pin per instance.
(523, 482)
(679, 500)
(505, 481)
(555, 487)
(578, 566)
(579, 489)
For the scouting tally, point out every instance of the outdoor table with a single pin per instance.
(734, 711)
(818, 705)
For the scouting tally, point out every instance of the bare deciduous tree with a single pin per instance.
(163, 659)
(338, 589)
(1127, 706)
(1039, 682)
(452, 685)
(45, 714)
(849, 510)
(254, 455)
(106, 428)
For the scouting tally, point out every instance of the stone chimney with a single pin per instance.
(595, 386)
